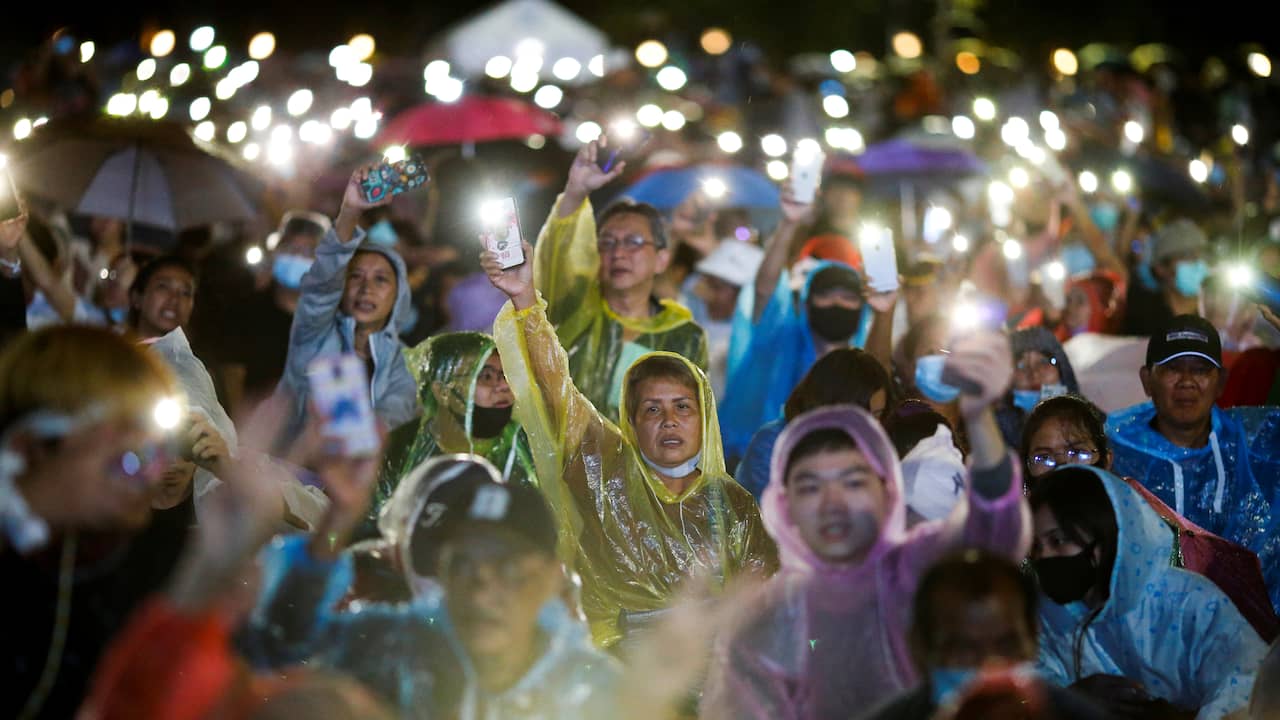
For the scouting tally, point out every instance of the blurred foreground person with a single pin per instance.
(974, 613)
(640, 505)
(1265, 704)
(850, 568)
(487, 637)
(83, 452)
(1118, 623)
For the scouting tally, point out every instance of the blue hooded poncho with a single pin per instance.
(1227, 487)
(1169, 629)
(769, 357)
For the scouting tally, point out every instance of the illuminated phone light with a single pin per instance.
(362, 46)
(160, 108)
(199, 109)
(215, 57)
(441, 68)
(773, 145)
(566, 68)
(937, 220)
(1019, 178)
(1198, 170)
(179, 74)
(714, 188)
(341, 56)
(835, 106)
(244, 73)
(1056, 271)
(962, 127)
(146, 100)
(729, 141)
(671, 78)
(1122, 181)
(1240, 275)
(162, 43)
(167, 413)
(281, 133)
(206, 131)
(1259, 64)
(1065, 62)
(449, 90)
(673, 120)
(491, 212)
(965, 316)
(146, 69)
(261, 118)
(253, 255)
(1088, 181)
(361, 108)
(999, 193)
(251, 152)
(86, 51)
(1012, 249)
(366, 127)
(122, 104)
(201, 38)
(907, 45)
(498, 67)
(299, 102)
(649, 115)
(777, 170)
(843, 61)
(1240, 134)
(394, 154)
(237, 131)
(1048, 120)
(359, 74)
(1014, 131)
(315, 132)
(548, 96)
(1133, 131)
(280, 154)
(262, 45)
(960, 243)
(651, 53)
(22, 129)
(807, 149)
(225, 89)
(340, 119)
(586, 132)
(535, 142)
(1055, 139)
(984, 109)
(523, 80)
(596, 66)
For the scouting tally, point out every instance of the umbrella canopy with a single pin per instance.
(525, 27)
(900, 159)
(472, 119)
(139, 171)
(744, 187)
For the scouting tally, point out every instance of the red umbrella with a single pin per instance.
(469, 120)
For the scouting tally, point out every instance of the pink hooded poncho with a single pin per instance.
(827, 640)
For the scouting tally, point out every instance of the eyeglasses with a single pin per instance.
(1033, 364)
(630, 243)
(1072, 456)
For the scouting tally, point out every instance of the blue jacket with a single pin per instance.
(1226, 487)
(768, 358)
(321, 328)
(1170, 629)
(409, 654)
(753, 470)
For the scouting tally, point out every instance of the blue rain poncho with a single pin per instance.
(768, 358)
(1226, 487)
(409, 654)
(1169, 629)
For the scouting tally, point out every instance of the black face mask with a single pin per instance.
(1067, 579)
(834, 323)
(488, 422)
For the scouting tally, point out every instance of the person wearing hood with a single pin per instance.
(598, 281)
(1119, 623)
(1177, 269)
(1220, 469)
(352, 299)
(466, 408)
(828, 635)
(1041, 369)
(642, 504)
(486, 634)
(712, 295)
(784, 327)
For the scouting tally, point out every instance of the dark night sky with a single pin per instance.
(1030, 26)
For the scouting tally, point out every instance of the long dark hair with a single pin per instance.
(1079, 502)
(844, 376)
(1072, 409)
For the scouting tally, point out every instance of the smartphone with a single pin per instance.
(622, 148)
(502, 232)
(390, 179)
(340, 391)
(806, 175)
(879, 258)
(10, 206)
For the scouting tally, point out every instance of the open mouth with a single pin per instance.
(365, 307)
(835, 530)
(672, 442)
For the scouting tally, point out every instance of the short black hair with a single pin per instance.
(911, 422)
(973, 574)
(627, 206)
(818, 441)
(844, 376)
(148, 271)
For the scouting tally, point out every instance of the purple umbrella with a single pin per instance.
(904, 160)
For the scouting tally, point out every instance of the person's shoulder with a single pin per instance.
(910, 705)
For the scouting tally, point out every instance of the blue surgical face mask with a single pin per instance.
(381, 233)
(118, 315)
(1025, 400)
(1147, 278)
(1077, 259)
(946, 683)
(289, 269)
(929, 379)
(1190, 276)
(1105, 215)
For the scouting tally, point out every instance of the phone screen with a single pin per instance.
(879, 257)
(620, 147)
(340, 390)
(502, 232)
(9, 206)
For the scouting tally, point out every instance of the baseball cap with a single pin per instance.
(1179, 237)
(473, 500)
(733, 261)
(835, 276)
(1185, 335)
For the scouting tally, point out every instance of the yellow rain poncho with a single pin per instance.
(600, 343)
(630, 538)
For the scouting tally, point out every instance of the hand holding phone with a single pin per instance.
(623, 143)
(806, 174)
(502, 235)
(341, 395)
(10, 204)
(879, 257)
(388, 179)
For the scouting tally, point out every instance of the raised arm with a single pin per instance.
(777, 251)
(1103, 252)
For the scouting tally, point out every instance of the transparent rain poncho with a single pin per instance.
(630, 538)
(827, 640)
(1170, 629)
(1226, 487)
(601, 344)
(446, 368)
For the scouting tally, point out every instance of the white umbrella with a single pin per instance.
(519, 28)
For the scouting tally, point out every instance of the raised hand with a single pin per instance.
(208, 447)
(353, 197)
(585, 175)
(984, 359)
(516, 282)
(11, 232)
(794, 211)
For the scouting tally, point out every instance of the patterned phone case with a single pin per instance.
(394, 178)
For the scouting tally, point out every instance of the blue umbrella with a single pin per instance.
(666, 189)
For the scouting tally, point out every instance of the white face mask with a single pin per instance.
(684, 469)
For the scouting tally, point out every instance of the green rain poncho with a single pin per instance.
(630, 538)
(600, 343)
(446, 368)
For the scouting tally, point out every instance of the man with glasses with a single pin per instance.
(598, 277)
(1217, 468)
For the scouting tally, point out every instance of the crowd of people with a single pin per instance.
(671, 470)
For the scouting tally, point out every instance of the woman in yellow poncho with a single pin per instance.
(643, 504)
(599, 286)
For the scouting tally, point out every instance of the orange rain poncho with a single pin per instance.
(600, 343)
(630, 538)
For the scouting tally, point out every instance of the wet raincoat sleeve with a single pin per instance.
(296, 605)
(321, 293)
(565, 267)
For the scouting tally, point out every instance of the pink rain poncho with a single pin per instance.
(829, 640)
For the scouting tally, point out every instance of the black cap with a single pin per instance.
(1185, 335)
(833, 276)
(475, 500)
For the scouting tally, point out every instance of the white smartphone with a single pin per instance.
(879, 257)
(340, 391)
(806, 174)
(502, 232)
